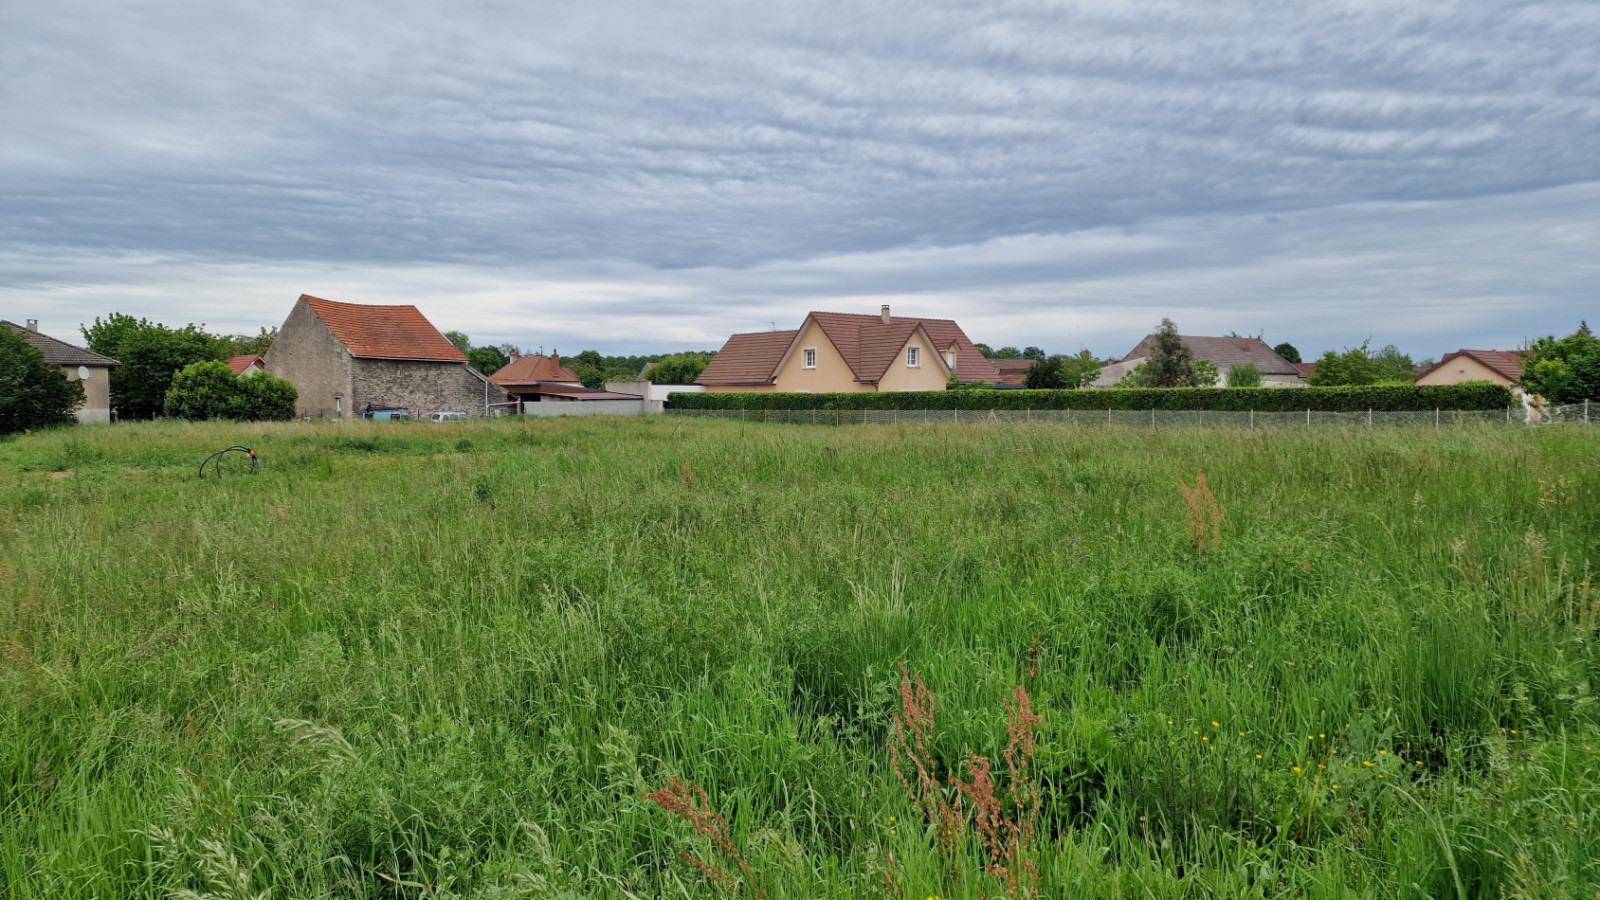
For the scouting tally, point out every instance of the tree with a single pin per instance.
(151, 354)
(460, 339)
(487, 360)
(1353, 367)
(682, 368)
(1046, 375)
(1565, 370)
(1080, 371)
(1392, 366)
(1170, 363)
(1033, 353)
(33, 393)
(1133, 378)
(245, 345)
(1288, 352)
(985, 349)
(1205, 373)
(209, 390)
(1245, 375)
(1005, 353)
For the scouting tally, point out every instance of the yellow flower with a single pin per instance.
(1321, 735)
(1336, 787)
(1419, 762)
(1258, 756)
(1380, 776)
(1335, 753)
(1383, 753)
(1297, 770)
(1216, 724)
(892, 832)
(891, 818)
(1241, 734)
(1197, 732)
(1367, 764)
(1311, 737)
(1207, 738)
(1169, 721)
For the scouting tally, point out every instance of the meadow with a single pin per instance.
(408, 660)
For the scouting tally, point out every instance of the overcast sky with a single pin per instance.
(656, 175)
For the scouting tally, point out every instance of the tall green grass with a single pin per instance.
(413, 660)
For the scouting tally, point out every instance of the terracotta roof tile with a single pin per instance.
(239, 363)
(384, 332)
(750, 358)
(1506, 362)
(859, 338)
(60, 353)
(529, 369)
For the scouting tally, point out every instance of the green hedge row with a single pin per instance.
(1389, 398)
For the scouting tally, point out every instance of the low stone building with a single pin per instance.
(352, 360)
(86, 366)
(1222, 352)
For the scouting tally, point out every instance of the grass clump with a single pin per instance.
(456, 660)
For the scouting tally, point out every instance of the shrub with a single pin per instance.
(1244, 375)
(1386, 398)
(33, 394)
(210, 390)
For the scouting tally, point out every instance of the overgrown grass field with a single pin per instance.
(453, 661)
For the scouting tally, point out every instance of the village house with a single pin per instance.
(352, 360)
(848, 352)
(91, 369)
(1503, 367)
(1222, 352)
(248, 364)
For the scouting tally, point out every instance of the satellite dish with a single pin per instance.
(83, 373)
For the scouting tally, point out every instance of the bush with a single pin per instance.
(210, 390)
(1244, 375)
(33, 394)
(1396, 398)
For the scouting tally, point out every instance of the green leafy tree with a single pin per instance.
(682, 368)
(1394, 367)
(986, 350)
(1244, 375)
(33, 393)
(1033, 353)
(1565, 370)
(1353, 367)
(1288, 352)
(1046, 375)
(590, 358)
(956, 384)
(151, 354)
(1081, 370)
(1005, 353)
(1133, 378)
(1062, 372)
(460, 339)
(1170, 363)
(487, 360)
(209, 390)
(245, 345)
(1206, 373)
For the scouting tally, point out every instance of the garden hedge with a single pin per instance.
(1388, 398)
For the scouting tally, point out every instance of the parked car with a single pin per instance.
(448, 416)
(388, 415)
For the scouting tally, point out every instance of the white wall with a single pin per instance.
(592, 408)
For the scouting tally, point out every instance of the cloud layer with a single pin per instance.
(1060, 171)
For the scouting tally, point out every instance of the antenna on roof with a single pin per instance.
(774, 324)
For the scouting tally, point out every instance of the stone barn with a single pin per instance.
(350, 359)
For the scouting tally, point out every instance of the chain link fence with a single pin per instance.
(1577, 414)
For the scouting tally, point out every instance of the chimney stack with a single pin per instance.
(555, 357)
(885, 313)
(33, 324)
(515, 355)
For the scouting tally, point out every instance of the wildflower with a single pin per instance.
(1383, 753)
(1297, 770)
(1219, 725)
(1336, 753)
(1513, 731)
(1197, 732)
(1380, 776)
(1206, 738)
(1336, 787)
(1241, 734)
(1321, 766)
(1419, 762)
(1258, 756)
(892, 832)
(891, 820)
(1169, 721)
(1321, 735)
(1310, 737)
(1367, 764)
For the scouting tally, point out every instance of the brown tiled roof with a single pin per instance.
(528, 369)
(750, 358)
(60, 353)
(1012, 371)
(384, 332)
(1506, 362)
(1304, 368)
(1226, 351)
(864, 342)
(239, 363)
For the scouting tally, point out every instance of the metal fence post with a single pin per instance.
(1369, 417)
(1152, 417)
(1585, 412)
(1308, 418)
(1252, 420)
(1436, 417)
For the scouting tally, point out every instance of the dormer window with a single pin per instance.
(950, 360)
(913, 357)
(808, 358)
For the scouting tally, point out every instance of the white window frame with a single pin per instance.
(808, 358)
(950, 359)
(913, 357)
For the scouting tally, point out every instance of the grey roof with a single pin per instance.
(1226, 352)
(61, 353)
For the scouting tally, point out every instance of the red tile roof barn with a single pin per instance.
(749, 358)
(384, 332)
(530, 369)
(239, 363)
(1506, 362)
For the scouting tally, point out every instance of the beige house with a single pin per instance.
(836, 352)
(81, 365)
(1502, 367)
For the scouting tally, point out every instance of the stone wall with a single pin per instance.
(420, 387)
(307, 355)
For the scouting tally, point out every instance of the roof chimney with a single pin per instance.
(1247, 342)
(33, 324)
(515, 355)
(555, 357)
(885, 313)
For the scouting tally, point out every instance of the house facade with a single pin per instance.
(350, 360)
(90, 369)
(1222, 352)
(536, 378)
(248, 364)
(841, 352)
(1503, 367)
